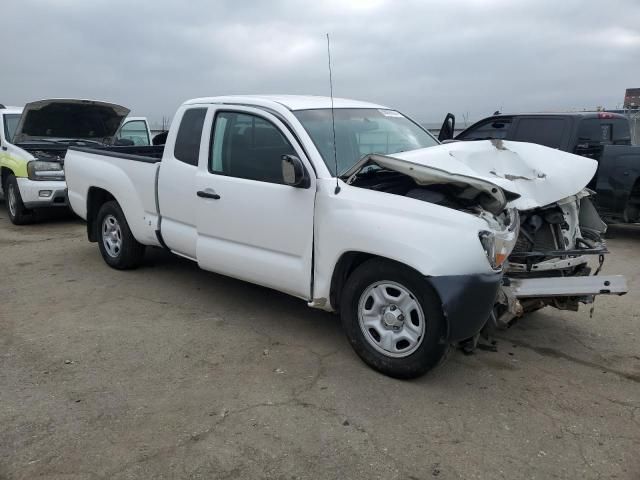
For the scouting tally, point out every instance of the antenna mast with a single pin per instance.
(333, 118)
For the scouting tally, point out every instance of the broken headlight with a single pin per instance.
(488, 241)
(501, 239)
(40, 170)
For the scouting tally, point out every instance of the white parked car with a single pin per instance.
(404, 237)
(34, 141)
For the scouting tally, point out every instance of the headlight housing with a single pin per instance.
(488, 241)
(42, 170)
(501, 239)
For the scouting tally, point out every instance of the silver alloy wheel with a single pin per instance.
(111, 236)
(391, 319)
(11, 199)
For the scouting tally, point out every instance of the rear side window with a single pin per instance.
(187, 148)
(621, 131)
(543, 131)
(494, 128)
(590, 131)
(604, 131)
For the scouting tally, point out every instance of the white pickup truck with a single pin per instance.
(408, 243)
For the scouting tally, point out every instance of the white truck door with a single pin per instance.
(177, 181)
(136, 130)
(251, 225)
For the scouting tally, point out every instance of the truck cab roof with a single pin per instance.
(290, 102)
(559, 114)
(564, 130)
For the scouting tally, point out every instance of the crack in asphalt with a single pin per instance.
(552, 352)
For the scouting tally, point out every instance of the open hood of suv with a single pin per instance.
(524, 175)
(70, 119)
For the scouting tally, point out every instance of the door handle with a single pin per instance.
(208, 194)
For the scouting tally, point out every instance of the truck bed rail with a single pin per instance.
(147, 154)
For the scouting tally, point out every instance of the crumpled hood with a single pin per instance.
(539, 175)
(70, 119)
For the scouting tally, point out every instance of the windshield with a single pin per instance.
(361, 131)
(10, 125)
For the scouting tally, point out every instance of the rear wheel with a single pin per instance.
(118, 246)
(393, 319)
(18, 213)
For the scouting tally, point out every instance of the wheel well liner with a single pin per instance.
(4, 174)
(96, 197)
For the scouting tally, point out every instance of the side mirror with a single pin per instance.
(294, 173)
(124, 142)
(448, 127)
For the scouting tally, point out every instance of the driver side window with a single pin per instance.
(248, 146)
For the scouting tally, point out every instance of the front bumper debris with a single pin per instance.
(568, 286)
(548, 265)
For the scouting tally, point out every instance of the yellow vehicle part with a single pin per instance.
(17, 165)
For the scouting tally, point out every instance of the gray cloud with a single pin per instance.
(424, 58)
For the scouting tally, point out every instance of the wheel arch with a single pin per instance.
(96, 197)
(459, 295)
(346, 264)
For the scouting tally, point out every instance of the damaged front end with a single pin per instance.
(558, 248)
(464, 193)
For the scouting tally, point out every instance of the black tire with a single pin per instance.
(18, 213)
(126, 252)
(433, 346)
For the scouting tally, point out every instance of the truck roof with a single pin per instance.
(290, 102)
(560, 114)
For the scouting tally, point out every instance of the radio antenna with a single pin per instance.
(333, 118)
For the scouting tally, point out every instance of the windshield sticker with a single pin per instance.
(390, 113)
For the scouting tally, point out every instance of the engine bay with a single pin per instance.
(457, 197)
(46, 152)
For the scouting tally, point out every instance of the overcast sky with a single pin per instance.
(423, 58)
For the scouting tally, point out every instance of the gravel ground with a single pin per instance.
(172, 372)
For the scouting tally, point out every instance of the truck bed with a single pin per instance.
(128, 173)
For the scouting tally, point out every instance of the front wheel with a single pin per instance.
(393, 319)
(18, 213)
(118, 246)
